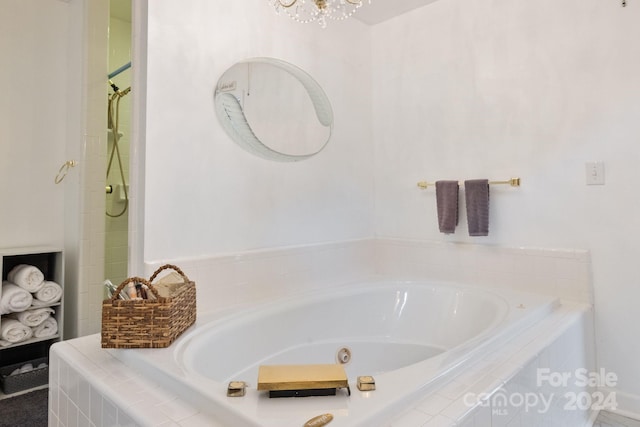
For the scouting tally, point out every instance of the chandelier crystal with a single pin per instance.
(305, 11)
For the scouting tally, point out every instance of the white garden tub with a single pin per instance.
(410, 336)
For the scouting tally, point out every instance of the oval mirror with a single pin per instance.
(273, 109)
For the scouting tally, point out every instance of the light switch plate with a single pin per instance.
(594, 173)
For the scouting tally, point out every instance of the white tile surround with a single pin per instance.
(249, 277)
(608, 419)
(89, 387)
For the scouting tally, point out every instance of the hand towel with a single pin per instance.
(13, 331)
(447, 204)
(14, 298)
(50, 293)
(477, 199)
(47, 328)
(32, 317)
(28, 277)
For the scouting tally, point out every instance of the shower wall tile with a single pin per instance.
(90, 275)
(84, 233)
(117, 234)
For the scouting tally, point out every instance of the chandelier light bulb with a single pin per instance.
(305, 11)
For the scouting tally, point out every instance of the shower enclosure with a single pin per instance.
(118, 106)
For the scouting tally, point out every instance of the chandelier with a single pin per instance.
(305, 11)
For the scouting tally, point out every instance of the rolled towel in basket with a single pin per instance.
(28, 277)
(50, 293)
(32, 317)
(14, 298)
(13, 331)
(47, 328)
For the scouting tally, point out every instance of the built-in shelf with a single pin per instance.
(55, 337)
(50, 261)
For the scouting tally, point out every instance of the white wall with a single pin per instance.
(33, 121)
(494, 89)
(205, 195)
(459, 90)
(53, 110)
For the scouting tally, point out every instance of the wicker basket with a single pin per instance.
(26, 380)
(149, 323)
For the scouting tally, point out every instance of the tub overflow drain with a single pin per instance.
(343, 355)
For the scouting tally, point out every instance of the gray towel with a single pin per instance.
(447, 204)
(477, 199)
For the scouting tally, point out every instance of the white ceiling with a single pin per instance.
(374, 13)
(381, 10)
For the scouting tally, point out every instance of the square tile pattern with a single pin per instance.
(608, 419)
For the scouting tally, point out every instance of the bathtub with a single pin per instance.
(412, 337)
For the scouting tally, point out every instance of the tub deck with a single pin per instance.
(455, 323)
(83, 376)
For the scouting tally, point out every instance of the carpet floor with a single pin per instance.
(26, 410)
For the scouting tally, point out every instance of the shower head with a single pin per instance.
(115, 88)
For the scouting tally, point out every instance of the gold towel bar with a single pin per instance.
(514, 182)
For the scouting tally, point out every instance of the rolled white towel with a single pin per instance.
(28, 367)
(14, 298)
(28, 277)
(50, 293)
(47, 328)
(13, 331)
(32, 317)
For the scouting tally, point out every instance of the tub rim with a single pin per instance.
(252, 314)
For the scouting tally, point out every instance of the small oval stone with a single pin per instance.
(319, 421)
